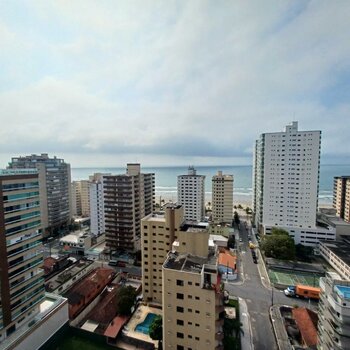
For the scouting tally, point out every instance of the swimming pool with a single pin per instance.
(143, 327)
(343, 291)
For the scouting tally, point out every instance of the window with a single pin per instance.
(179, 296)
(179, 309)
(179, 282)
(180, 347)
(180, 322)
(179, 335)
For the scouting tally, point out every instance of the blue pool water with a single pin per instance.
(143, 327)
(344, 291)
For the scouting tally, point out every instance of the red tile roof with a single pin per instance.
(115, 326)
(307, 324)
(226, 259)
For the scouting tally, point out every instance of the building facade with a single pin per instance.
(341, 197)
(334, 313)
(158, 233)
(97, 218)
(55, 189)
(193, 308)
(286, 181)
(21, 259)
(191, 194)
(222, 200)
(81, 198)
(127, 199)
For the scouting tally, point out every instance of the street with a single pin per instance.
(257, 296)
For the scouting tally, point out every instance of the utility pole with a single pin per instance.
(272, 295)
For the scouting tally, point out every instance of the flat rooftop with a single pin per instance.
(187, 262)
(341, 249)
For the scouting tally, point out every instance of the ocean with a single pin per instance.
(166, 179)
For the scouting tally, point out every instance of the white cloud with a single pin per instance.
(173, 80)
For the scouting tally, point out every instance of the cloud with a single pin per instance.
(172, 80)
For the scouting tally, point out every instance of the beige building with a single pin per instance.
(193, 307)
(222, 201)
(158, 232)
(341, 197)
(81, 198)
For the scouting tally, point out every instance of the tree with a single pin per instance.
(303, 253)
(125, 300)
(236, 218)
(231, 242)
(278, 245)
(156, 330)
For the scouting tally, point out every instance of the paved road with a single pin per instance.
(257, 297)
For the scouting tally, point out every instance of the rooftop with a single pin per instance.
(187, 262)
(307, 324)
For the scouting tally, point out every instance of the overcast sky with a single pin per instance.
(101, 83)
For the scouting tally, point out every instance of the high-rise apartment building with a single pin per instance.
(286, 182)
(341, 197)
(127, 199)
(81, 198)
(222, 198)
(159, 230)
(191, 194)
(97, 218)
(193, 308)
(55, 189)
(21, 278)
(334, 313)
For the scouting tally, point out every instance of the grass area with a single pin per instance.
(292, 278)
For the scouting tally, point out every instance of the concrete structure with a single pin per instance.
(222, 198)
(158, 232)
(191, 194)
(52, 315)
(81, 198)
(341, 197)
(337, 254)
(334, 313)
(21, 278)
(286, 182)
(328, 216)
(97, 217)
(77, 242)
(55, 189)
(127, 199)
(193, 306)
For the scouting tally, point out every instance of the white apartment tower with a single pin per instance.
(222, 200)
(97, 219)
(286, 181)
(191, 194)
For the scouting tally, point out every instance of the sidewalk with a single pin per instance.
(246, 335)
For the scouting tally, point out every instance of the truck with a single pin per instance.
(300, 291)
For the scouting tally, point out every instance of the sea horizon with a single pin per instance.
(166, 179)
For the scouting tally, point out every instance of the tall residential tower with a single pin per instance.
(21, 258)
(127, 199)
(191, 194)
(55, 189)
(222, 201)
(341, 197)
(286, 182)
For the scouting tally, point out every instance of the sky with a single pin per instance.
(103, 83)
